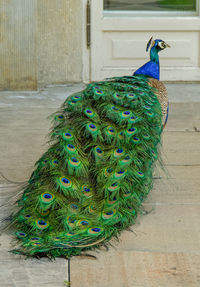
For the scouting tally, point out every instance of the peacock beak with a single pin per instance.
(167, 45)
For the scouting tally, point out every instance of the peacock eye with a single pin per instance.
(162, 45)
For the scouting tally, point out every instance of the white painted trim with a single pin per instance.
(141, 24)
(96, 35)
(136, 14)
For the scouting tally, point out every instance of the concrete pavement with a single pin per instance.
(163, 250)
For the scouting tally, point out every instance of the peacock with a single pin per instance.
(90, 184)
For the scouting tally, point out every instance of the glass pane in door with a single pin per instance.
(150, 5)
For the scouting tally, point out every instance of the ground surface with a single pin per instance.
(163, 251)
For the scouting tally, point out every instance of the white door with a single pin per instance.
(120, 30)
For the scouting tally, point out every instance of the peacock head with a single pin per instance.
(157, 44)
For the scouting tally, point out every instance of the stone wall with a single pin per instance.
(40, 43)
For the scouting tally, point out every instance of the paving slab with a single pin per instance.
(163, 228)
(184, 117)
(138, 269)
(180, 185)
(183, 92)
(181, 148)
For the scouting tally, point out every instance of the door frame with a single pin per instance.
(101, 23)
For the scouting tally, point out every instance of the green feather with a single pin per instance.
(90, 184)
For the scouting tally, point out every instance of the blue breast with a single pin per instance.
(150, 69)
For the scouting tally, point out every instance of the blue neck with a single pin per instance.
(151, 68)
(154, 55)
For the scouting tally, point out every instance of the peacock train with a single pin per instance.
(90, 184)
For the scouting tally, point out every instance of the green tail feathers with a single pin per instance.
(90, 184)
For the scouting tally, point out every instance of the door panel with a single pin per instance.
(119, 42)
(119, 51)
